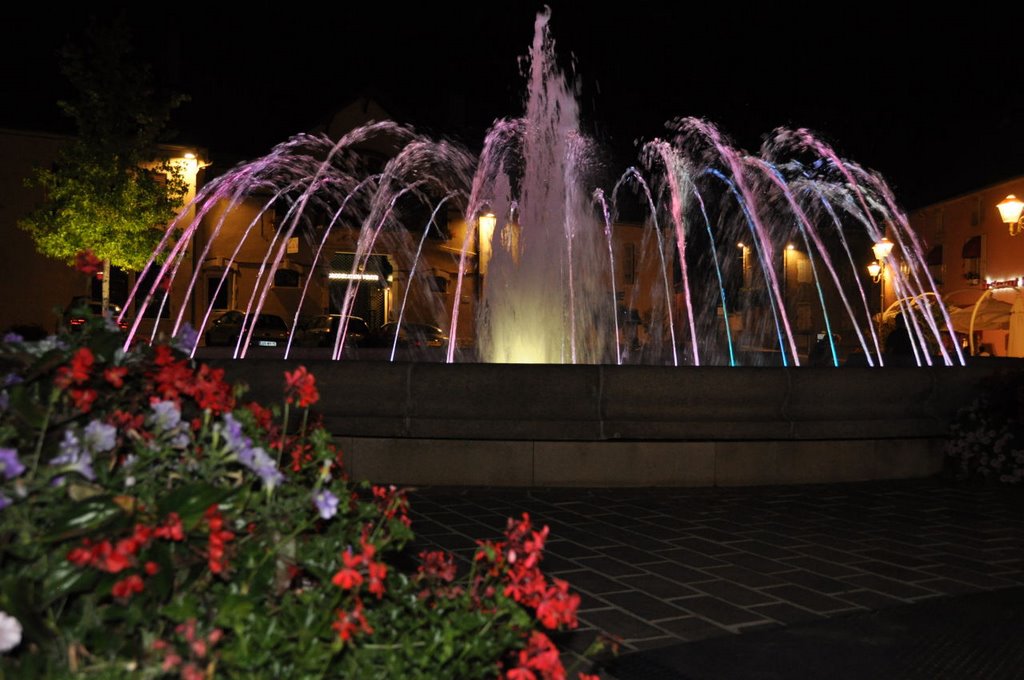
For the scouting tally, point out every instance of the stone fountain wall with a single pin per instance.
(602, 426)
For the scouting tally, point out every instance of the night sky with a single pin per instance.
(933, 100)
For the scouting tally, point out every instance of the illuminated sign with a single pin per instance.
(1007, 283)
(346, 276)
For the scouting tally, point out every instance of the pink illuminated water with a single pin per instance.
(735, 258)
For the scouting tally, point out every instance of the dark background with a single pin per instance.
(934, 100)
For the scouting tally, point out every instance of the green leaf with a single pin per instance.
(235, 609)
(65, 579)
(190, 502)
(84, 517)
(182, 608)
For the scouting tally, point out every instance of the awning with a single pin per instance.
(972, 248)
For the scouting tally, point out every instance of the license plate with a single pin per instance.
(267, 343)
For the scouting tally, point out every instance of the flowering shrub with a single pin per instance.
(986, 439)
(154, 524)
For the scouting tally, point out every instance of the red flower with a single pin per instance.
(174, 377)
(347, 579)
(218, 538)
(115, 375)
(558, 607)
(377, 572)
(264, 417)
(107, 558)
(83, 399)
(126, 587)
(77, 372)
(210, 391)
(87, 263)
(301, 453)
(151, 568)
(349, 576)
(351, 623)
(541, 655)
(81, 556)
(437, 564)
(123, 420)
(300, 385)
(171, 530)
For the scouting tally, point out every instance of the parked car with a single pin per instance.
(412, 335)
(270, 330)
(322, 331)
(81, 308)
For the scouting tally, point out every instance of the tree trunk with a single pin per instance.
(106, 287)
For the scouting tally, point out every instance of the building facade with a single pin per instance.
(975, 261)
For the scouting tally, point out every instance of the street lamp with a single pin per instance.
(876, 270)
(485, 222)
(1010, 211)
(881, 250)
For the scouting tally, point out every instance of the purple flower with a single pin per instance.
(165, 416)
(252, 457)
(5, 401)
(232, 431)
(326, 503)
(99, 437)
(12, 338)
(73, 457)
(4, 501)
(257, 460)
(9, 463)
(12, 379)
(186, 339)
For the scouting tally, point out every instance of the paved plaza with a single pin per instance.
(672, 569)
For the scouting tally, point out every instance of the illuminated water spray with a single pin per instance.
(719, 256)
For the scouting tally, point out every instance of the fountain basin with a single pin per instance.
(614, 426)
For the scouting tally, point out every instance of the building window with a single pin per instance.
(219, 295)
(935, 266)
(971, 254)
(286, 278)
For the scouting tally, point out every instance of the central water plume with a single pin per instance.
(520, 256)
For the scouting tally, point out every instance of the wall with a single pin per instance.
(32, 285)
(951, 224)
(531, 425)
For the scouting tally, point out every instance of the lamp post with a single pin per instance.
(1010, 209)
(486, 222)
(785, 272)
(881, 250)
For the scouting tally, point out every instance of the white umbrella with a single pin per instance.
(1016, 345)
(992, 314)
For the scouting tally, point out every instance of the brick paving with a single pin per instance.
(656, 567)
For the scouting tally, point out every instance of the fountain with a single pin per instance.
(736, 261)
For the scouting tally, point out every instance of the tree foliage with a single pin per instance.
(108, 192)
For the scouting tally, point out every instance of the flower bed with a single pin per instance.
(986, 440)
(156, 524)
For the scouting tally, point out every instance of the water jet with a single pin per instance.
(736, 265)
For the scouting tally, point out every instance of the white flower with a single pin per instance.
(10, 632)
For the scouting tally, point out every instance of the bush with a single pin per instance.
(986, 440)
(154, 524)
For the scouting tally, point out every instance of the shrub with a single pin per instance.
(986, 438)
(155, 524)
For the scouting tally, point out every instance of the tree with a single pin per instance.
(108, 192)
